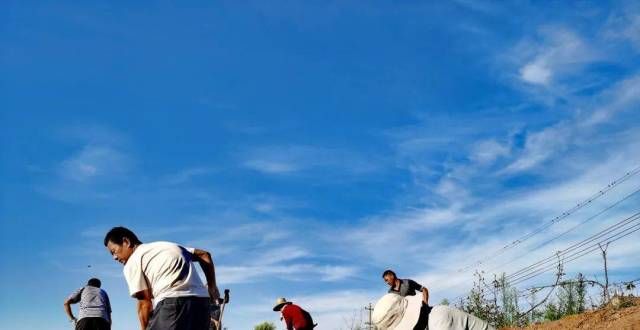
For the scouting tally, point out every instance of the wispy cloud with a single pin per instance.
(624, 25)
(93, 163)
(98, 160)
(296, 159)
(487, 151)
(559, 52)
(543, 144)
(186, 175)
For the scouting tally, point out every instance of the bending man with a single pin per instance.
(408, 287)
(163, 278)
(95, 309)
(294, 317)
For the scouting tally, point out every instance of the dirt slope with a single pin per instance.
(609, 317)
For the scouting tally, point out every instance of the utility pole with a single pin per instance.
(533, 304)
(606, 271)
(369, 324)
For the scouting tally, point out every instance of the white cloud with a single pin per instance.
(623, 96)
(544, 144)
(541, 145)
(296, 272)
(560, 52)
(632, 30)
(487, 151)
(94, 162)
(536, 73)
(624, 25)
(187, 175)
(272, 166)
(296, 159)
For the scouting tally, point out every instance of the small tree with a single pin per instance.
(510, 311)
(354, 322)
(551, 312)
(567, 302)
(478, 304)
(581, 292)
(265, 326)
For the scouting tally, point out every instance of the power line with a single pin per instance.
(567, 257)
(588, 240)
(527, 292)
(569, 230)
(575, 251)
(576, 255)
(557, 219)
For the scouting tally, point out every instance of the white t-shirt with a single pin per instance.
(165, 267)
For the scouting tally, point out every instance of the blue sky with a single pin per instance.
(309, 145)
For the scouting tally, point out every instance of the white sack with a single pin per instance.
(393, 312)
(449, 318)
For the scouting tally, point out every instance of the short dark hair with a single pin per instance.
(389, 272)
(94, 282)
(116, 234)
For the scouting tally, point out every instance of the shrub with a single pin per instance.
(265, 326)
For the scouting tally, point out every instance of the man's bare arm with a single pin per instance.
(206, 263)
(67, 309)
(425, 296)
(145, 307)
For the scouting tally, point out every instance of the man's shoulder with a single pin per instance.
(92, 290)
(78, 291)
(159, 245)
(414, 285)
(154, 246)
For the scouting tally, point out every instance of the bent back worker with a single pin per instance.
(95, 310)
(294, 317)
(408, 287)
(163, 279)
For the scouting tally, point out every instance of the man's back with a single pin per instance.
(94, 302)
(297, 317)
(165, 268)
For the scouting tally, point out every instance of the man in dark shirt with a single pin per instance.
(408, 287)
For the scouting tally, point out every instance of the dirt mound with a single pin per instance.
(620, 314)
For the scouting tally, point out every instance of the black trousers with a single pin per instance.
(423, 319)
(183, 313)
(93, 323)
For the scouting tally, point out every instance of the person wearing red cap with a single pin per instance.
(293, 316)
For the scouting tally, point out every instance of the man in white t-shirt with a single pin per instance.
(164, 279)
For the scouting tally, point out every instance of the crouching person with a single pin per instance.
(294, 317)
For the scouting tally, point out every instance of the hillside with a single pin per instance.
(623, 315)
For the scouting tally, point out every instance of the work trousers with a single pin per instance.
(93, 323)
(182, 313)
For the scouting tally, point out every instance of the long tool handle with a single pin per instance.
(225, 301)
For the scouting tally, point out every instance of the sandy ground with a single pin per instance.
(606, 318)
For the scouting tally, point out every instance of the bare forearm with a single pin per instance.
(206, 263)
(425, 295)
(209, 272)
(144, 313)
(67, 309)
